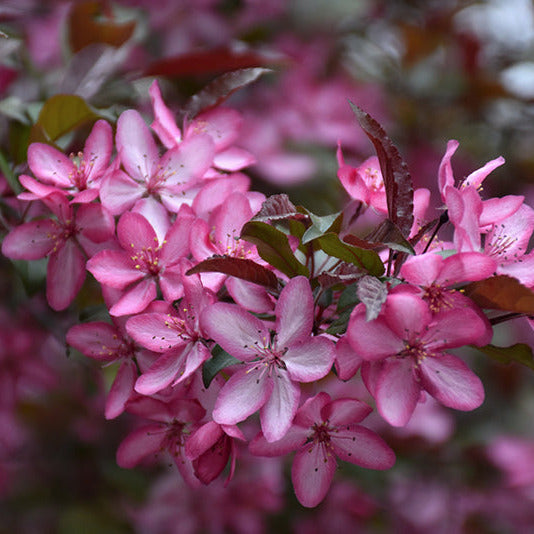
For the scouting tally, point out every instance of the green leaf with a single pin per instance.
(219, 360)
(348, 299)
(273, 247)
(321, 225)
(63, 113)
(9, 175)
(520, 353)
(368, 260)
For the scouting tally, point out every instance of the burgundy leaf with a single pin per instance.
(277, 207)
(221, 88)
(397, 179)
(240, 268)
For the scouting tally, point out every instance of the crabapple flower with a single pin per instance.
(177, 335)
(167, 179)
(79, 176)
(436, 276)
(404, 350)
(109, 343)
(173, 421)
(323, 430)
(221, 124)
(274, 362)
(63, 240)
(142, 263)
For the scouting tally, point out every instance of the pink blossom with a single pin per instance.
(62, 240)
(79, 176)
(167, 179)
(143, 263)
(404, 352)
(322, 430)
(176, 335)
(108, 343)
(172, 422)
(274, 362)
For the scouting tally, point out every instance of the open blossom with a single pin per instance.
(404, 350)
(274, 362)
(167, 178)
(171, 423)
(143, 263)
(176, 335)
(79, 176)
(323, 430)
(63, 240)
(109, 343)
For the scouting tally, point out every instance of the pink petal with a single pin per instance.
(221, 124)
(372, 340)
(202, 439)
(176, 244)
(233, 159)
(164, 123)
(50, 165)
(38, 189)
(119, 192)
(451, 382)
(278, 412)
(477, 177)
(98, 148)
(136, 299)
(445, 176)
(422, 270)
(140, 443)
(154, 212)
(95, 222)
(495, 210)
(188, 161)
(397, 391)
(235, 330)
(361, 446)
(161, 373)
(214, 192)
(310, 360)
(294, 312)
(65, 275)
(121, 389)
(245, 393)
(312, 473)
(197, 354)
(96, 340)
(345, 411)
(406, 314)
(135, 233)
(347, 361)
(31, 241)
(114, 268)
(292, 440)
(465, 267)
(155, 331)
(171, 283)
(136, 146)
(250, 296)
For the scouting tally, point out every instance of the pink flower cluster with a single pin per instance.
(200, 350)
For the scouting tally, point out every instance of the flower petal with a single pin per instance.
(140, 443)
(397, 391)
(278, 412)
(312, 473)
(451, 382)
(235, 330)
(246, 392)
(136, 299)
(310, 360)
(121, 389)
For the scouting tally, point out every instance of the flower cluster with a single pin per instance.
(224, 304)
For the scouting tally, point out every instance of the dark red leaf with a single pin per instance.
(502, 293)
(214, 61)
(397, 179)
(240, 268)
(277, 207)
(220, 89)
